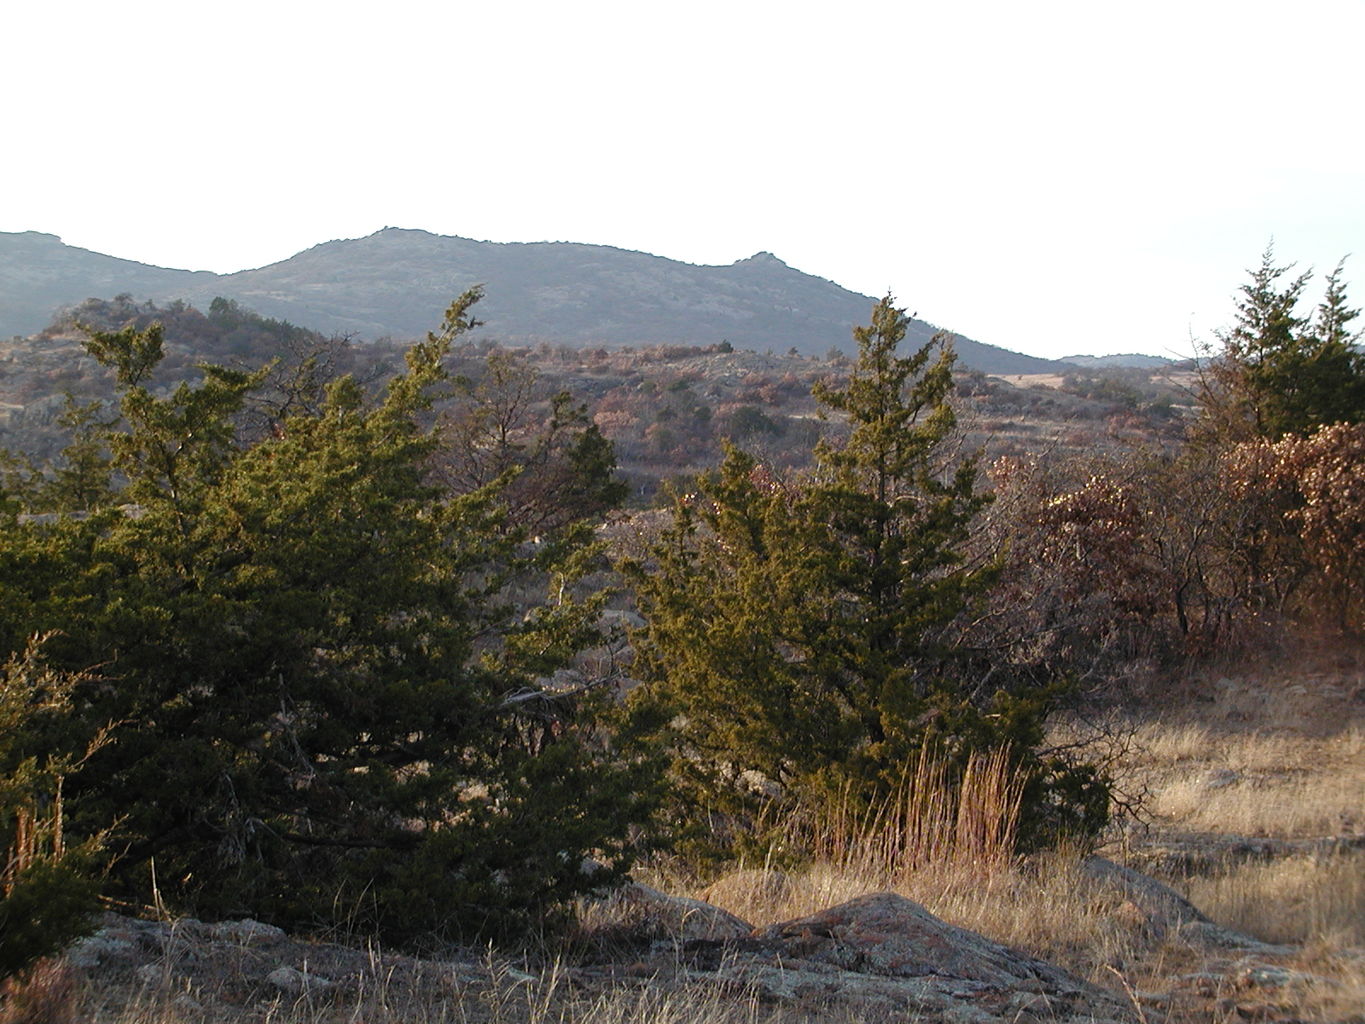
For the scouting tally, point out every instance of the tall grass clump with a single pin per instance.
(947, 839)
(47, 880)
(934, 816)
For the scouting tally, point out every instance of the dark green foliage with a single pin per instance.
(45, 907)
(1281, 372)
(750, 421)
(800, 633)
(81, 480)
(309, 648)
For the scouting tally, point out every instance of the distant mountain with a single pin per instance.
(398, 283)
(1126, 361)
(39, 274)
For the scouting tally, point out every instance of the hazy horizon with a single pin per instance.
(1051, 178)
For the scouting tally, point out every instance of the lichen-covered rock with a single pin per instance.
(1207, 935)
(247, 933)
(98, 949)
(151, 975)
(296, 982)
(887, 953)
(886, 934)
(677, 917)
(1250, 974)
(119, 941)
(1164, 908)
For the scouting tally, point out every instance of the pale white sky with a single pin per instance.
(1052, 177)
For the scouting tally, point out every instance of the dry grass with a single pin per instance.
(1259, 759)
(1255, 805)
(1302, 900)
(507, 998)
(1273, 752)
(1249, 779)
(947, 845)
(1182, 742)
(1339, 994)
(932, 819)
(44, 994)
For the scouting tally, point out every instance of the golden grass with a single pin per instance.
(1340, 994)
(1167, 744)
(44, 994)
(1297, 806)
(932, 818)
(1300, 900)
(1249, 781)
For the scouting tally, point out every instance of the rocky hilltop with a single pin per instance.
(398, 282)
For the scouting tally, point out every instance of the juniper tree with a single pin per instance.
(1281, 371)
(309, 649)
(799, 638)
(555, 466)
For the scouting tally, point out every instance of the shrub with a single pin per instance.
(325, 688)
(799, 643)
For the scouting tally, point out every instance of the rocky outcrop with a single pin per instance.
(1163, 907)
(889, 935)
(881, 954)
(1164, 913)
(877, 954)
(885, 950)
(194, 970)
(648, 911)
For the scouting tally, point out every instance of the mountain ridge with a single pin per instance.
(397, 282)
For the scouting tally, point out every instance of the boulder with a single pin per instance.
(1209, 936)
(1164, 908)
(888, 958)
(296, 982)
(676, 917)
(247, 933)
(886, 934)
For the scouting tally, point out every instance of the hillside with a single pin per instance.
(1120, 361)
(398, 282)
(665, 408)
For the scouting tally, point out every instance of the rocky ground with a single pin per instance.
(1240, 896)
(876, 957)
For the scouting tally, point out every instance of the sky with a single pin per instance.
(1052, 177)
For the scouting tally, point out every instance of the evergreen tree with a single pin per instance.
(799, 643)
(1281, 372)
(322, 686)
